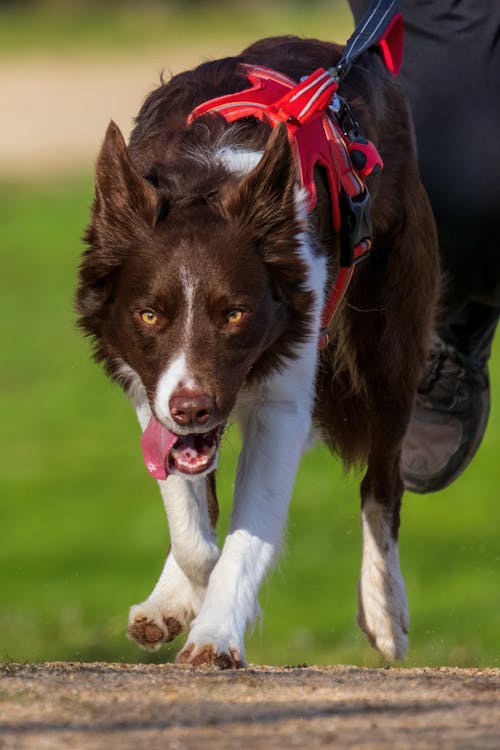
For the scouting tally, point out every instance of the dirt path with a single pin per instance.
(91, 706)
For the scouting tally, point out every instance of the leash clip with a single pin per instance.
(345, 119)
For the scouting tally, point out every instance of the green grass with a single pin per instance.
(55, 28)
(83, 531)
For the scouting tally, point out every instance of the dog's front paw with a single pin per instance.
(211, 644)
(383, 615)
(168, 611)
(210, 655)
(150, 632)
(151, 625)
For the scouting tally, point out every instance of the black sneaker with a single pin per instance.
(448, 420)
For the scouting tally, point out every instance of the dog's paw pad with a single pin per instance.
(207, 655)
(173, 626)
(232, 660)
(150, 635)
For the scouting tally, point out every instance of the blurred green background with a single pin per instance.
(83, 533)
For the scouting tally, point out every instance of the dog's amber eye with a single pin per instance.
(234, 316)
(149, 317)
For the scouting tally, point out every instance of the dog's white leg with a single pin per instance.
(194, 544)
(276, 421)
(383, 609)
(179, 592)
(274, 436)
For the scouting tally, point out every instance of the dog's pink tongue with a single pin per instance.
(156, 442)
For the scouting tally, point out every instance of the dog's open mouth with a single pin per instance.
(164, 451)
(192, 454)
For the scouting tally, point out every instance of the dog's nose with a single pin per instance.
(191, 408)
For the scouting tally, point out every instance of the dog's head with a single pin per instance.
(192, 284)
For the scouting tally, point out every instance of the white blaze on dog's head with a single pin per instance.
(177, 374)
(175, 377)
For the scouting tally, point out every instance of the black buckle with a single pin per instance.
(345, 117)
(355, 224)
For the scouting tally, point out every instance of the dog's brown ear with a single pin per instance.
(264, 200)
(125, 208)
(123, 198)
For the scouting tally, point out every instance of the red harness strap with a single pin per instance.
(317, 139)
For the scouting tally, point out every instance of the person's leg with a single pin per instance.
(463, 183)
(471, 330)
(452, 407)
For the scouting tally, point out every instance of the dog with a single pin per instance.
(202, 287)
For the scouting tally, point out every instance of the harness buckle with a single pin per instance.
(355, 226)
(345, 119)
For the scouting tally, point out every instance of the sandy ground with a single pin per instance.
(52, 706)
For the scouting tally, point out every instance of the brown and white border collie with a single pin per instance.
(202, 287)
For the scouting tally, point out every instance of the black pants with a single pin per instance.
(451, 76)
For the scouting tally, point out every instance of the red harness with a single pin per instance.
(317, 138)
